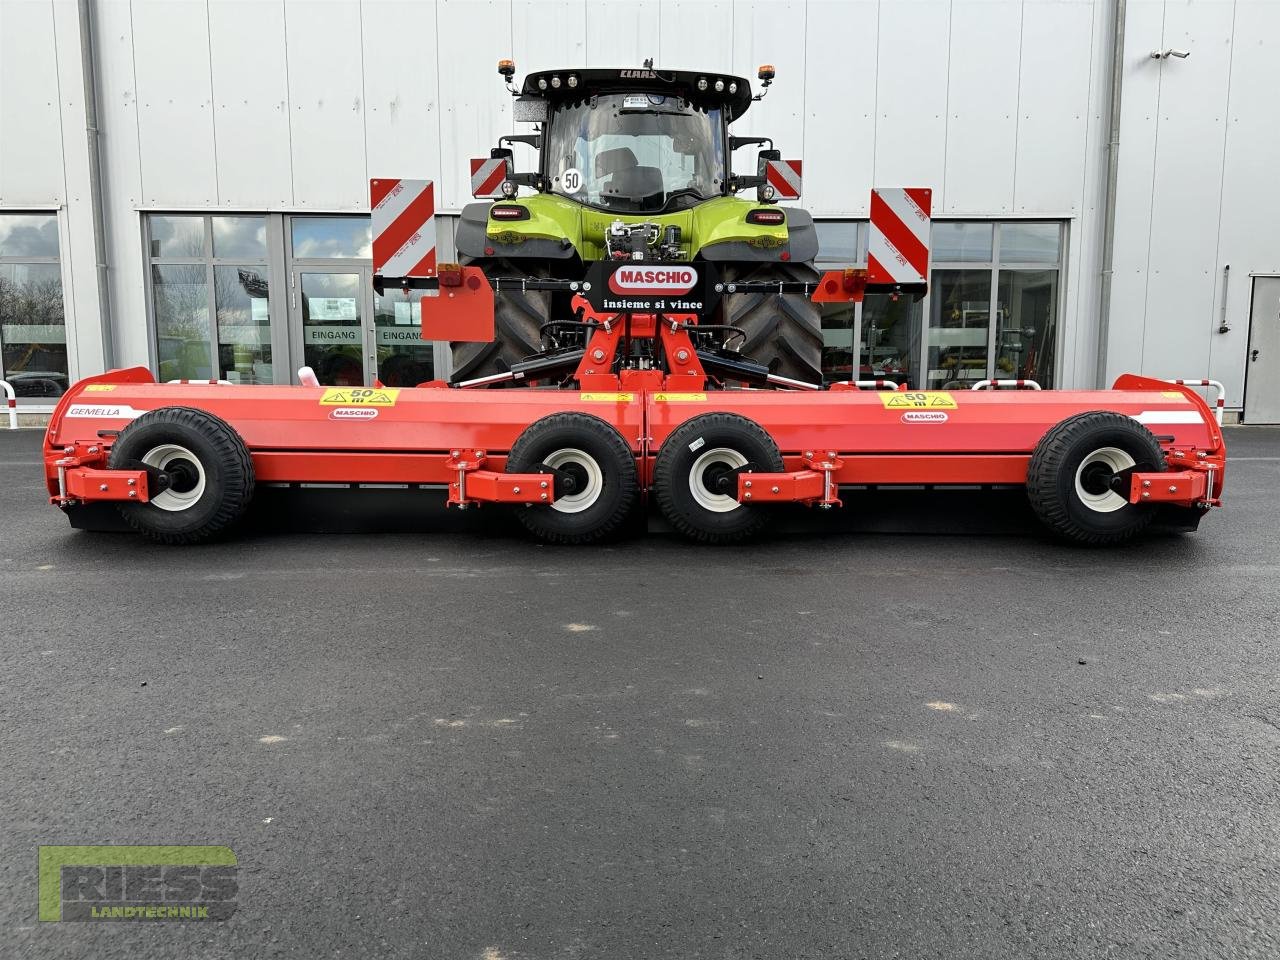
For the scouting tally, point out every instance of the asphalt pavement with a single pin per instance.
(445, 745)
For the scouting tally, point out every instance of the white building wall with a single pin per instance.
(1198, 187)
(999, 105)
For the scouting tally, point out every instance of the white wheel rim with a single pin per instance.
(586, 497)
(1108, 501)
(175, 500)
(715, 502)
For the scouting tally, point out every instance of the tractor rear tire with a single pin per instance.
(517, 320)
(210, 467)
(601, 465)
(1070, 478)
(783, 330)
(694, 482)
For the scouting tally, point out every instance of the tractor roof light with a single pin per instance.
(555, 82)
(766, 73)
(702, 83)
(733, 88)
(542, 83)
(572, 81)
(719, 86)
(507, 68)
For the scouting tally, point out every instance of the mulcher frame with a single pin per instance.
(456, 437)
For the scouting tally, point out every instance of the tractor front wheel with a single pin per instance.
(518, 316)
(783, 330)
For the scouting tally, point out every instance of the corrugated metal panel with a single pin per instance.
(251, 104)
(326, 97)
(545, 35)
(911, 103)
(1185, 194)
(175, 103)
(840, 108)
(474, 108)
(31, 146)
(1250, 185)
(771, 32)
(622, 33)
(696, 36)
(402, 97)
(1143, 27)
(1053, 105)
(122, 177)
(985, 53)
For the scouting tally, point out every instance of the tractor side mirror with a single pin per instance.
(530, 110)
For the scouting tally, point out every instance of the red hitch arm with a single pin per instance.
(82, 479)
(814, 485)
(475, 485)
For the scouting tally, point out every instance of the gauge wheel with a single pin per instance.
(199, 474)
(594, 475)
(695, 477)
(1078, 478)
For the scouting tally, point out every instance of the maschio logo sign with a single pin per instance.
(653, 281)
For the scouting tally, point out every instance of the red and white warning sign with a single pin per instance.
(404, 227)
(487, 175)
(898, 249)
(784, 177)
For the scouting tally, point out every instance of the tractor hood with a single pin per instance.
(554, 85)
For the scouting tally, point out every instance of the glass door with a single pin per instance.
(403, 358)
(330, 311)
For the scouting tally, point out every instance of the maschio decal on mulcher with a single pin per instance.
(918, 400)
(144, 884)
(360, 397)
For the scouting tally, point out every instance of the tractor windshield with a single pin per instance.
(636, 152)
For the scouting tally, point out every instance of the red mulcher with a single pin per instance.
(639, 395)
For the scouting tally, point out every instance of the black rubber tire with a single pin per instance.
(517, 319)
(673, 477)
(1052, 477)
(619, 487)
(784, 331)
(220, 453)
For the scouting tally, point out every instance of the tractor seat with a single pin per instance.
(613, 161)
(640, 182)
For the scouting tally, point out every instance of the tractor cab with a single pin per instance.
(635, 152)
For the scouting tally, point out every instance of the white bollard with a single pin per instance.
(11, 401)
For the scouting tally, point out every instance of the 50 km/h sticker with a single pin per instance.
(359, 396)
(918, 400)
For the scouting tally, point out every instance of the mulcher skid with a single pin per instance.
(642, 405)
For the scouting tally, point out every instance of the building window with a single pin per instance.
(210, 297)
(33, 329)
(348, 332)
(993, 302)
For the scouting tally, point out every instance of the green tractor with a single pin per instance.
(635, 164)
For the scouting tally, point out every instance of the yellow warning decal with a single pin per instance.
(917, 400)
(99, 387)
(607, 397)
(360, 397)
(1174, 395)
(680, 397)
